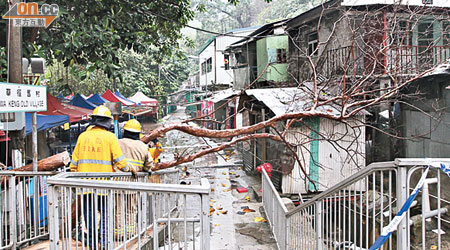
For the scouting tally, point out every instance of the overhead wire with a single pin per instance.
(207, 31)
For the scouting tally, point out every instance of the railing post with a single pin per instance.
(402, 196)
(319, 225)
(53, 217)
(12, 211)
(287, 233)
(110, 219)
(204, 219)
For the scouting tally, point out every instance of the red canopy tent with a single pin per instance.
(3, 136)
(55, 107)
(110, 96)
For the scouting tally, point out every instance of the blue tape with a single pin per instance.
(445, 168)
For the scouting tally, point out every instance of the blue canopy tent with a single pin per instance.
(97, 99)
(117, 93)
(44, 122)
(80, 101)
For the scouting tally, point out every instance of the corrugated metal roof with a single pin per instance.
(435, 3)
(221, 95)
(206, 45)
(287, 100)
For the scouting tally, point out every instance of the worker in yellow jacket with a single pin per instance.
(139, 159)
(155, 149)
(97, 150)
(136, 154)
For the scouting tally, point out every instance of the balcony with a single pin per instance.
(405, 60)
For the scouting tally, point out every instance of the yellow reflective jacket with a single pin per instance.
(155, 151)
(136, 154)
(97, 150)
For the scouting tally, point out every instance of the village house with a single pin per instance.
(264, 54)
(382, 43)
(214, 71)
(337, 40)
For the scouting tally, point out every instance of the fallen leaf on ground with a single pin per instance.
(211, 209)
(228, 178)
(224, 173)
(259, 219)
(231, 172)
(224, 185)
(217, 213)
(247, 198)
(248, 210)
(210, 204)
(213, 201)
(219, 208)
(238, 175)
(212, 189)
(224, 212)
(217, 225)
(228, 190)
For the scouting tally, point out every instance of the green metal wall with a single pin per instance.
(277, 72)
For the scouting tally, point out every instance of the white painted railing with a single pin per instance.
(352, 214)
(103, 210)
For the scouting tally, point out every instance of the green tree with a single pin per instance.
(154, 77)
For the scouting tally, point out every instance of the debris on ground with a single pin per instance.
(259, 219)
(242, 190)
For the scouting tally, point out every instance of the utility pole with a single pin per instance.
(15, 75)
(14, 50)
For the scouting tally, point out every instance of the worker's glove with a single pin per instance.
(134, 172)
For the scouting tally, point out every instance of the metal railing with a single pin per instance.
(353, 214)
(103, 210)
(274, 208)
(415, 59)
(23, 207)
(395, 60)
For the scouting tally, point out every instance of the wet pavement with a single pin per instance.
(237, 221)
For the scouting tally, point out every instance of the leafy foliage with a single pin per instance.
(95, 31)
(76, 79)
(144, 72)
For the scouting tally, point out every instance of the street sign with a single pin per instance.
(22, 98)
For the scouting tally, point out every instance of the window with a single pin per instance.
(7, 117)
(312, 44)
(226, 62)
(276, 55)
(446, 32)
(425, 33)
(240, 58)
(281, 56)
(203, 68)
(206, 66)
(402, 34)
(209, 65)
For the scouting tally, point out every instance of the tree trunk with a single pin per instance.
(48, 164)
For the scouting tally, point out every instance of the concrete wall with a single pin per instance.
(429, 131)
